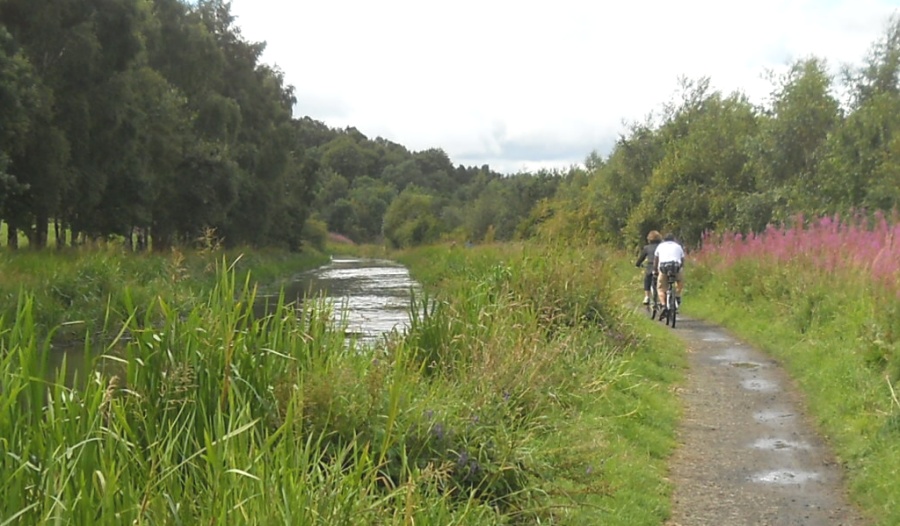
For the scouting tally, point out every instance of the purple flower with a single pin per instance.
(438, 431)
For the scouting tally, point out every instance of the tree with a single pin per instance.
(786, 154)
(22, 98)
(346, 157)
(370, 199)
(411, 219)
(702, 175)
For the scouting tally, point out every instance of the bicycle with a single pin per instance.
(670, 309)
(653, 304)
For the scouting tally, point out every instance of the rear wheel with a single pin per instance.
(671, 307)
(674, 311)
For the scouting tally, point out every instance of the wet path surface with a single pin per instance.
(747, 453)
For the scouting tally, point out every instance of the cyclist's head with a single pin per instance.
(669, 237)
(653, 236)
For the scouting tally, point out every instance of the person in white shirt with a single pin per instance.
(669, 253)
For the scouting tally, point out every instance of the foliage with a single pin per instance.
(709, 161)
(152, 115)
(411, 220)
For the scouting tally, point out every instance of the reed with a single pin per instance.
(486, 411)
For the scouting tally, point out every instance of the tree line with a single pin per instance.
(155, 120)
(378, 191)
(821, 144)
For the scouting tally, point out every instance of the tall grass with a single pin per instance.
(541, 340)
(505, 402)
(519, 395)
(824, 297)
(79, 289)
(211, 416)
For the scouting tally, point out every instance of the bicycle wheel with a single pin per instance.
(670, 312)
(674, 310)
(671, 306)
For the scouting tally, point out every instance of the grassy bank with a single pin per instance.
(822, 300)
(78, 290)
(521, 394)
(592, 381)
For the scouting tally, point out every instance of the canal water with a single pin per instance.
(372, 296)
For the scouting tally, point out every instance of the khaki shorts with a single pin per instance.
(662, 282)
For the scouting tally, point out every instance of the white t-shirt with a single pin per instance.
(668, 251)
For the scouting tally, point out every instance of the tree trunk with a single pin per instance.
(60, 235)
(12, 237)
(141, 239)
(41, 227)
(161, 238)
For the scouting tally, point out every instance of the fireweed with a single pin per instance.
(829, 244)
(822, 296)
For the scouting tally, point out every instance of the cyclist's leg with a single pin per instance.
(648, 279)
(662, 284)
(679, 285)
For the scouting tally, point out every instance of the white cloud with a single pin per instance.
(526, 84)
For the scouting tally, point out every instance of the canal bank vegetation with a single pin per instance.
(521, 393)
(824, 299)
(546, 331)
(77, 290)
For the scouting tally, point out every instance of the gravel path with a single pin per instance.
(748, 454)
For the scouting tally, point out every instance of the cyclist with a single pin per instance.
(668, 254)
(646, 258)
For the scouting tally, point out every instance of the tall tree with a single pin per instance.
(702, 176)
(785, 156)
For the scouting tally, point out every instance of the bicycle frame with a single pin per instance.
(671, 301)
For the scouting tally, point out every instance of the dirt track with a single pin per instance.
(748, 454)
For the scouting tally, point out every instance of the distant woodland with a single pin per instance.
(155, 121)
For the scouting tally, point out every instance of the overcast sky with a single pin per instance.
(525, 84)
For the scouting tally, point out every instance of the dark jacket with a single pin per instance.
(646, 256)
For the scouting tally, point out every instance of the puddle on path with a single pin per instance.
(784, 477)
(747, 365)
(713, 336)
(757, 384)
(777, 444)
(731, 354)
(772, 416)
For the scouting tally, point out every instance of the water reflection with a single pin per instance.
(374, 293)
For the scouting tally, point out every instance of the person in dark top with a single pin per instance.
(646, 258)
